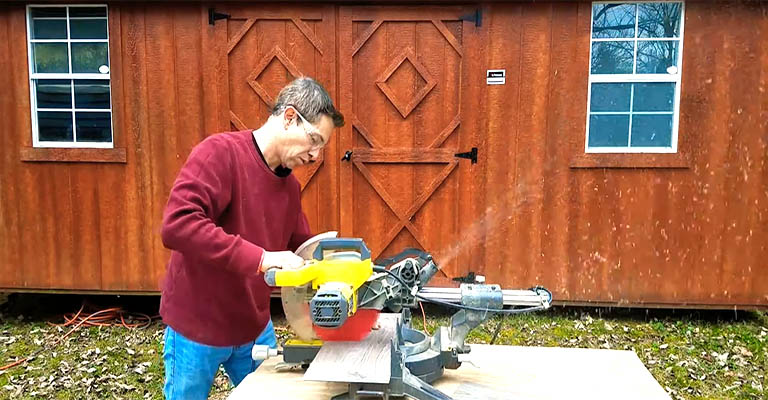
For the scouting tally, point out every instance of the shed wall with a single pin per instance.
(694, 234)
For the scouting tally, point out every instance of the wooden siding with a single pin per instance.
(694, 235)
(95, 226)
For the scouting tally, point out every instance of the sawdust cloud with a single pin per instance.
(502, 211)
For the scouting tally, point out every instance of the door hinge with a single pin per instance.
(471, 155)
(476, 17)
(213, 16)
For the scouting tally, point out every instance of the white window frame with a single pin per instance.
(636, 78)
(36, 142)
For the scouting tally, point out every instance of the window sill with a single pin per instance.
(39, 154)
(630, 160)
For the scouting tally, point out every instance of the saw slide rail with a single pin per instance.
(511, 297)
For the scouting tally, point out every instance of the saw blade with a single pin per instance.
(296, 307)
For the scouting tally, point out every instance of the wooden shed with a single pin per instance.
(614, 153)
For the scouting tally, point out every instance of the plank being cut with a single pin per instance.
(366, 361)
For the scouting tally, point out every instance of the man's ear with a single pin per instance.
(288, 116)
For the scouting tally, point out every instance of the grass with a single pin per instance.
(95, 362)
(692, 354)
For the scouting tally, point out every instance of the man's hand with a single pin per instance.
(281, 259)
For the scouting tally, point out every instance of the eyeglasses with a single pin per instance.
(314, 134)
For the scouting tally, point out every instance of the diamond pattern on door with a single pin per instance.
(262, 48)
(406, 108)
(253, 78)
(265, 72)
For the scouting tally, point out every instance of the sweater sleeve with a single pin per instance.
(200, 194)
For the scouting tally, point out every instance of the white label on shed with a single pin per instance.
(496, 76)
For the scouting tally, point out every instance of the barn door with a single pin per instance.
(264, 47)
(401, 184)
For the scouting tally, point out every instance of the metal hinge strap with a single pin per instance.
(471, 155)
(213, 16)
(476, 17)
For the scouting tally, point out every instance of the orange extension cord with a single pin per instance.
(115, 316)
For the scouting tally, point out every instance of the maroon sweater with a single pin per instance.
(225, 208)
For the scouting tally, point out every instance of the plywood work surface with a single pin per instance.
(495, 373)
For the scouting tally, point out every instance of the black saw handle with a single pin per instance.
(342, 244)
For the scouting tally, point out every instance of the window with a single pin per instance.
(69, 76)
(634, 80)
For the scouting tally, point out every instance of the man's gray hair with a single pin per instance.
(310, 99)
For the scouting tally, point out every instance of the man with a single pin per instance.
(234, 212)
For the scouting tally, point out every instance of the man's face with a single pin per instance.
(303, 140)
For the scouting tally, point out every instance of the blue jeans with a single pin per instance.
(190, 366)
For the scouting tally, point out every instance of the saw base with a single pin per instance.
(405, 362)
(300, 351)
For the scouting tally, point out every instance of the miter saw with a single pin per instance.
(338, 294)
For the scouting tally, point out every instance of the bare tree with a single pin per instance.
(654, 20)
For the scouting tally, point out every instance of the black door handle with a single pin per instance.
(347, 156)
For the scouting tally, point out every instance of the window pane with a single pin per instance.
(652, 130)
(54, 126)
(610, 97)
(49, 29)
(92, 93)
(87, 12)
(88, 57)
(608, 130)
(656, 56)
(88, 28)
(93, 126)
(50, 57)
(659, 20)
(654, 97)
(613, 21)
(49, 12)
(612, 57)
(54, 93)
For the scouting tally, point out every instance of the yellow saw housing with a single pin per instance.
(335, 277)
